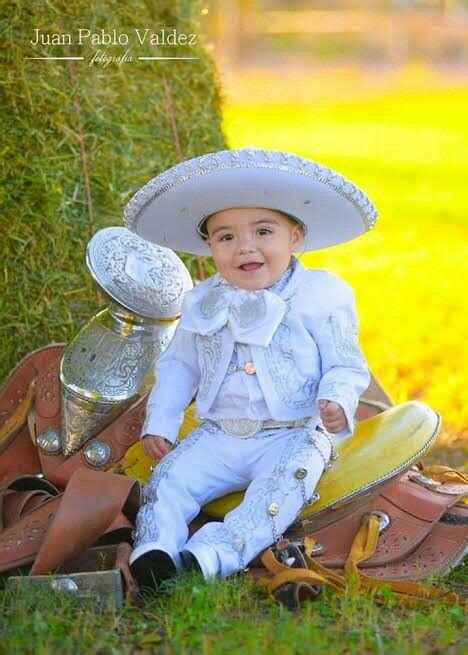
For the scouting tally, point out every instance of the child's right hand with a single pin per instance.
(156, 446)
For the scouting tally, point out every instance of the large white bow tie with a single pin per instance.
(252, 316)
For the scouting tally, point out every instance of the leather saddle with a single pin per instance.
(62, 513)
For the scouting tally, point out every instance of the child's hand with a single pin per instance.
(332, 415)
(156, 446)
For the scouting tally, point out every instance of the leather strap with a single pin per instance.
(19, 415)
(95, 507)
(119, 435)
(47, 413)
(21, 541)
(21, 495)
(18, 453)
(406, 592)
(89, 506)
(364, 544)
(443, 474)
(413, 511)
(15, 387)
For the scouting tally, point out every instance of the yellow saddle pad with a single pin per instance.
(381, 448)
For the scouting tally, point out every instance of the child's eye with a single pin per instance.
(263, 231)
(225, 237)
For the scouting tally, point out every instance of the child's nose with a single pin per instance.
(246, 244)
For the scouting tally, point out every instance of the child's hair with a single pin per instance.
(203, 232)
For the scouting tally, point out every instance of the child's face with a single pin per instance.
(252, 246)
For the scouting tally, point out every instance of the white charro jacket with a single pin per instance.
(303, 342)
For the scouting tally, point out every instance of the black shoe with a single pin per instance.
(152, 568)
(190, 562)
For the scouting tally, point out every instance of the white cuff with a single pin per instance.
(162, 426)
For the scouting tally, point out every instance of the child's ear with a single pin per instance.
(297, 237)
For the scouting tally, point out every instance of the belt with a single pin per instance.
(246, 427)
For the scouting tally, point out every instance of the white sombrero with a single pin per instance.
(169, 209)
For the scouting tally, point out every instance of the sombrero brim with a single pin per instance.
(169, 209)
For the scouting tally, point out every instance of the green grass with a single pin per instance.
(408, 150)
(230, 616)
(403, 138)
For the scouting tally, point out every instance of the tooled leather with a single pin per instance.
(406, 532)
(50, 462)
(18, 503)
(123, 432)
(20, 543)
(15, 386)
(131, 428)
(107, 512)
(403, 535)
(30, 501)
(47, 403)
(410, 515)
(18, 455)
(21, 495)
(47, 410)
(15, 390)
(338, 511)
(441, 549)
(420, 502)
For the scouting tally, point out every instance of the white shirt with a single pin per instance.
(240, 394)
(302, 339)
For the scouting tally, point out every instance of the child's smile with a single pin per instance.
(252, 246)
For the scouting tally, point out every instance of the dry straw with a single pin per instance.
(78, 141)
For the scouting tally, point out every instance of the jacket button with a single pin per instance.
(300, 474)
(273, 509)
(250, 368)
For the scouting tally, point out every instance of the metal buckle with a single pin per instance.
(384, 519)
(240, 427)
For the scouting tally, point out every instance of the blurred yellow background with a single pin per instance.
(399, 130)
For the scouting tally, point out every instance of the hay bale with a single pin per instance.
(79, 140)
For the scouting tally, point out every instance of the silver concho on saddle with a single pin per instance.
(109, 363)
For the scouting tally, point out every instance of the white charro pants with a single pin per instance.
(279, 468)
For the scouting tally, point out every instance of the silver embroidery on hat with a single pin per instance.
(248, 158)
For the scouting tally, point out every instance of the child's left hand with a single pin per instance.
(332, 415)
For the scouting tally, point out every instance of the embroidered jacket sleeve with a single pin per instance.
(177, 379)
(344, 370)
